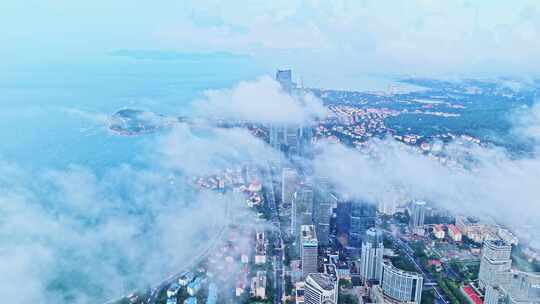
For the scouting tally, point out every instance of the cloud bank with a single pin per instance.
(70, 235)
(493, 184)
(355, 37)
(260, 101)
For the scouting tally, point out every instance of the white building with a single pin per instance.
(454, 233)
(194, 287)
(507, 236)
(173, 290)
(401, 286)
(417, 213)
(320, 289)
(522, 288)
(438, 231)
(371, 258)
(258, 285)
(495, 263)
(186, 278)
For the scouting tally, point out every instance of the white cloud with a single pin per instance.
(202, 150)
(260, 101)
(73, 236)
(497, 185)
(372, 37)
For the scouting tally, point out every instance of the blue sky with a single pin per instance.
(319, 38)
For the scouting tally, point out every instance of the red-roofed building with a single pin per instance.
(472, 295)
(438, 231)
(454, 233)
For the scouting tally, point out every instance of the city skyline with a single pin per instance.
(270, 152)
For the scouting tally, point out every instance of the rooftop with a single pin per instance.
(323, 280)
(472, 295)
(308, 234)
(454, 229)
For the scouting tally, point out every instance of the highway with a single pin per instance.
(279, 254)
(194, 261)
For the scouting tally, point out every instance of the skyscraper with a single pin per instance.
(417, 214)
(343, 218)
(302, 208)
(371, 259)
(292, 139)
(275, 136)
(284, 77)
(495, 264)
(522, 287)
(320, 289)
(308, 250)
(289, 179)
(402, 286)
(353, 220)
(362, 218)
(323, 203)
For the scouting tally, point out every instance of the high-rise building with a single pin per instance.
(417, 214)
(291, 139)
(343, 218)
(320, 288)
(387, 207)
(275, 136)
(401, 286)
(371, 259)
(493, 295)
(362, 218)
(323, 203)
(289, 178)
(308, 250)
(353, 220)
(522, 288)
(258, 285)
(302, 208)
(495, 264)
(284, 77)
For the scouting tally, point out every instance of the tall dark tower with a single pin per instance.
(354, 219)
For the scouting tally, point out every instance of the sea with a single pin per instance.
(53, 115)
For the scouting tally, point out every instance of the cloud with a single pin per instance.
(528, 125)
(72, 236)
(370, 37)
(316, 38)
(94, 117)
(260, 101)
(204, 150)
(493, 184)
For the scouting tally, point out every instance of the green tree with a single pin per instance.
(347, 299)
(428, 297)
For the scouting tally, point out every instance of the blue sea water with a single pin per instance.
(51, 114)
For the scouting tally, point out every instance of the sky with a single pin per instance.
(316, 38)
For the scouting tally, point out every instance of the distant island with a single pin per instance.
(136, 122)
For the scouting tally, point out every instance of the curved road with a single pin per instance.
(192, 263)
